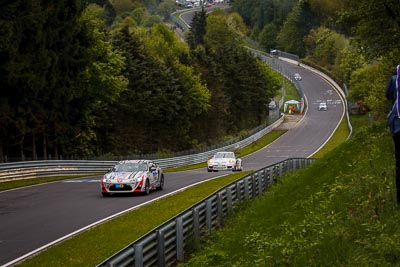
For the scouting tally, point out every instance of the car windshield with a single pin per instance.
(224, 155)
(130, 167)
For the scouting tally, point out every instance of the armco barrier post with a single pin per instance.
(267, 177)
(160, 248)
(228, 198)
(238, 192)
(138, 255)
(253, 186)
(260, 184)
(179, 239)
(246, 188)
(219, 209)
(196, 224)
(209, 213)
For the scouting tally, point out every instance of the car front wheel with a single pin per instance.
(147, 188)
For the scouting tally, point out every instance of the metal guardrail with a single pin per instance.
(166, 244)
(278, 53)
(275, 64)
(51, 168)
(47, 168)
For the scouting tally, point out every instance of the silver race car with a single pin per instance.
(133, 176)
(224, 161)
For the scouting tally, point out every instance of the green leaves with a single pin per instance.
(375, 23)
(163, 93)
(367, 85)
(297, 25)
(76, 86)
(58, 74)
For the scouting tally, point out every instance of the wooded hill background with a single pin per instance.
(83, 79)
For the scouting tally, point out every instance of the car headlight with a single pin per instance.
(140, 179)
(210, 161)
(231, 161)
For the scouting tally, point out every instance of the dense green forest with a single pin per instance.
(82, 80)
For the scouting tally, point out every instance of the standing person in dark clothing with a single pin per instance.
(393, 120)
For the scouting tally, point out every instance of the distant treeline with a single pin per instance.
(82, 80)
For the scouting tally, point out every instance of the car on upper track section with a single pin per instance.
(133, 176)
(224, 161)
(297, 77)
(322, 106)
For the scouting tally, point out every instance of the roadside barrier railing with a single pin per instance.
(50, 168)
(166, 244)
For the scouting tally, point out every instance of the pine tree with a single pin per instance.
(197, 29)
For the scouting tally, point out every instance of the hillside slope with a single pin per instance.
(341, 211)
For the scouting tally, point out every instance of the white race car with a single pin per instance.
(132, 176)
(224, 161)
(322, 106)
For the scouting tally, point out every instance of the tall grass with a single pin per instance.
(340, 211)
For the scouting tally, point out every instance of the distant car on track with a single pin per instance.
(297, 77)
(132, 176)
(322, 106)
(222, 161)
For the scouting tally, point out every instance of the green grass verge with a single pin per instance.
(340, 211)
(360, 121)
(187, 168)
(340, 136)
(260, 143)
(291, 91)
(97, 244)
